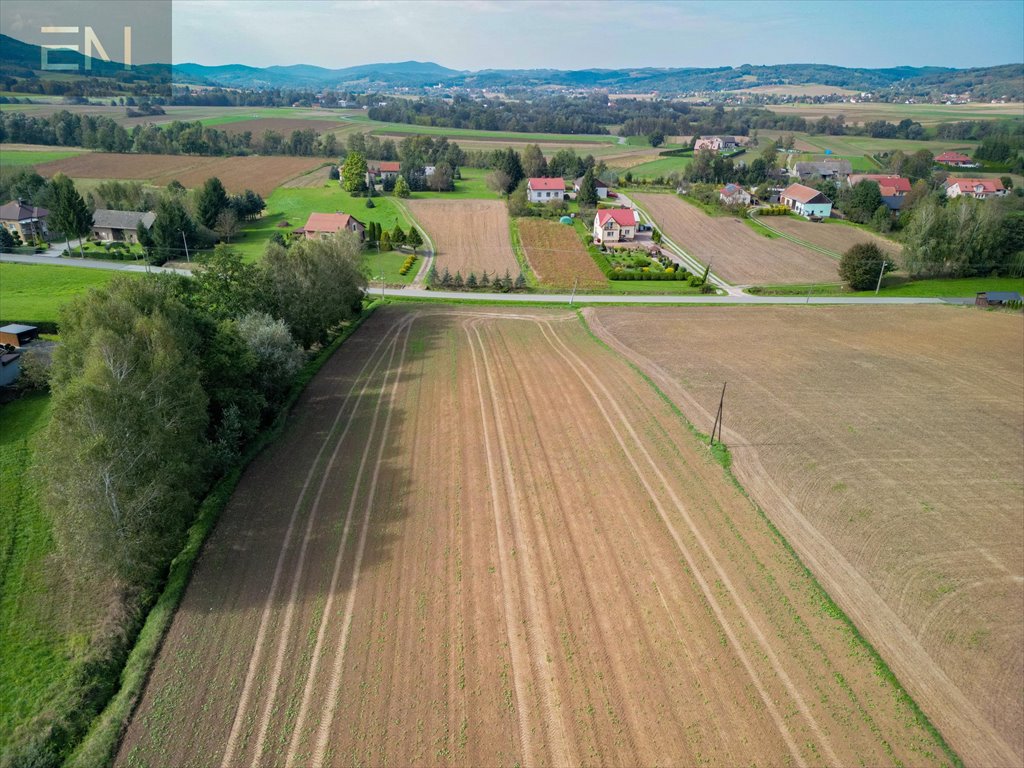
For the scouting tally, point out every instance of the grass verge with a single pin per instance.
(721, 454)
(99, 746)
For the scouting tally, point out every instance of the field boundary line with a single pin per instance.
(254, 660)
(323, 733)
(698, 576)
(284, 633)
(508, 602)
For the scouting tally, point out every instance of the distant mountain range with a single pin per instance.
(17, 58)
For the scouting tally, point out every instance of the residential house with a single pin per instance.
(956, 159)
(734, 194)
(27, 220)
(715, 143)
(545, 190)
(323, 225)
(120, 226)
(378, 171)
(893, 188)
(982, 189)
(806, 201)
(602, 188)
(614, 225)
(826, 169)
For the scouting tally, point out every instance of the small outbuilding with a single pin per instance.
(995, 298)
(18, 335)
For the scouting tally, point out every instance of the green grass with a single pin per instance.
(34, 292)
(899, 285)
(661, 167)
(18, 158)
(295, 204)
(33, 645)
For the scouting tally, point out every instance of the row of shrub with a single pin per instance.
(409, 261)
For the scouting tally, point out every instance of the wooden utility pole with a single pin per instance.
(718, 417)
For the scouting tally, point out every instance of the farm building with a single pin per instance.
(715, 143)
(826, 169)
(613, 225)
(545, 190)
(995, 298)
(955, 159)
(982, 189)
(323, 225)
(893, 188)
(27, 220)
(376, 172)
(18, 335)
(120, 226)
(602, 188)
(734, 194)
(806, 201)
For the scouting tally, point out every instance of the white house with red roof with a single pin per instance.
(613, 225)
(955, 159)
(893, 188)
(982, 189)
(320, 226)
(806, 201)
(545, 190)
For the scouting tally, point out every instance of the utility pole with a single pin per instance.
(880, 273)
(187, 257)
(718, 417)
(575, 282)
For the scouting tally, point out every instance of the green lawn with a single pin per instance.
(661, 167)
(33, 292)
(34, 645)
(899, 285)
(295, 204)
(23, 157)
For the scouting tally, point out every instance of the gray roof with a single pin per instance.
(103, 217)
(823, 167)
(17, 328)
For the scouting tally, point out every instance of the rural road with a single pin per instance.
(537, 298)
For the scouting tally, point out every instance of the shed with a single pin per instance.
(18, 335)
(995, 298)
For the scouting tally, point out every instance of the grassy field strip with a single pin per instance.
(797, 240)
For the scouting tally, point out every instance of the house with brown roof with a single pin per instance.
(613, 225)
(893, 188)
(27, 220)
(320, 226)
(544, 190)
(955, 159)
(982, 189)
(806, 201)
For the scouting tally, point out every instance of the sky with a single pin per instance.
(581, 34)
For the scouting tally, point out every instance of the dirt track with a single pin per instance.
(469, 235)
(485, 540)
(885, 443)
(736, 252)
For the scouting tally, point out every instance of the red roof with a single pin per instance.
(888, 184)
(329, 222)
(802, 194)
(624, 217)
(972, 185)
(947, 158)
(538, 184)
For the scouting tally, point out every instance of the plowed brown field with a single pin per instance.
(886, 445)
(469, 235)
(736, 253)
(557, 256)
(835, 237)
(260, 174)
(484, 540)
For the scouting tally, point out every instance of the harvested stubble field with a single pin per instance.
(557, 257)
(836, 237)
(737, 253)
(484, 540)
(885, 444)
(469, 235)
(260, 174)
